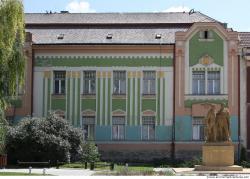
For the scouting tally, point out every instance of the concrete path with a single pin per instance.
(191, 171)
(53, 171)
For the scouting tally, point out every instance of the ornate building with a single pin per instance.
(136, 83)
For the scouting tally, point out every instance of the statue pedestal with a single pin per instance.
(218, 156)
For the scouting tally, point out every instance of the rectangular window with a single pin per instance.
(89, 82)
(59, 82)
(89, 127)
(119, 82)
(213, 82)
(198, 82)
(118, 128)
(148, 128)
(149, 82)
(198, 129)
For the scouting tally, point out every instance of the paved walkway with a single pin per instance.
(53, 171)
(191, 171)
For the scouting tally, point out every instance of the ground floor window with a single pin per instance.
(89, 127)
(118, 128)
(148, 128)
(198, 128)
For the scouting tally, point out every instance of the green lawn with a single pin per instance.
(121, 170)
(18, 174)
(99, 167)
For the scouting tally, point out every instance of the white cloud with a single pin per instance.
(79, 7)
(177, 9)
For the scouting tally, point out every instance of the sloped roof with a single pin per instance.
(116, 18)
(244, 38)
(93, 28)
(99, 36)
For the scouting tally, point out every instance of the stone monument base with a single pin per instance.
(218, 168)
(218, 156)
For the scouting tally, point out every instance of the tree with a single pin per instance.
(90, 152)
(43, 139)
(12, 59)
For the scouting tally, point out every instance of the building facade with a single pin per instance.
(138, 84)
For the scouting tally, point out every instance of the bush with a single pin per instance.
(190, 163)
(90, 152)
(43, 139)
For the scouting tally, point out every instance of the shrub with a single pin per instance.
(43, 139)
(90, 152)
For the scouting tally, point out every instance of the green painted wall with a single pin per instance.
(188, 103)
(88, 104)
(148, 104)
(58, 104)
(198, 48)
(118, 104)
(103, 61)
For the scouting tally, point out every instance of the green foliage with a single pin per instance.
(243, 154)
(12, 58)
(90, 152)
(3, 129)
(40, 139)
(245, 164)
(190, 163)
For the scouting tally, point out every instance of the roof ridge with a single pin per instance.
(208, 17)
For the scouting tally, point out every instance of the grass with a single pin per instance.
(18, 174)
(100, 166)
(121, 170)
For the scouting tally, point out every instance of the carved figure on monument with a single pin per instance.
(217, 125)
(211, 132)
(223, 124)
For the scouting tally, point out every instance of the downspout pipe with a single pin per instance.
(239, 127)
(173, 125)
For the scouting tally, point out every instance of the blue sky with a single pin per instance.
(235, 12)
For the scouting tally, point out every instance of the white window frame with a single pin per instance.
(60, 83)
(206, 83)
(197, 121)
(148, 127)
(149, 83)
(89, 82)
(89, 125)
(118, 127)
(213, 85)
(119, 83)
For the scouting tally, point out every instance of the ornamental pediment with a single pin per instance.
(206, 60)
(148, 113)
(118, 112)
(88, 112)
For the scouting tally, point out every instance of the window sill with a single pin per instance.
(118, 140)
(206, 40)
(119, 96)
(58, 96)
(206, 97)
(88, 96)
(149, 96)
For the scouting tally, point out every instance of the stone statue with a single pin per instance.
(210, 132)
(223, 124)
(217, 125)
